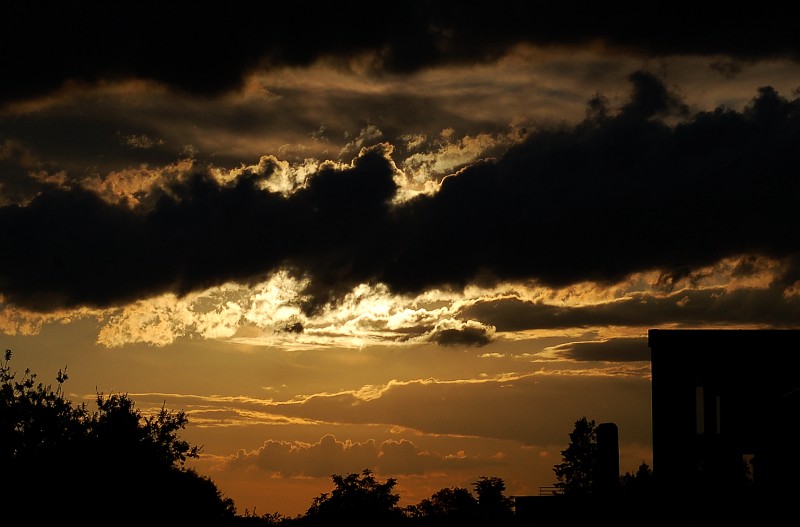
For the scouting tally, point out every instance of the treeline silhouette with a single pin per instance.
(65, 463)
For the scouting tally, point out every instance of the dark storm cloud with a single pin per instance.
(466, 336)
(16, 165)
(206, 49)
(87, 142)
(102, 134)
(621, 192)
(613, 350)
(704, 306)
(613, 195)
(69, 248)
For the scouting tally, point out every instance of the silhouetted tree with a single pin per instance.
(451, 505)
(493, 505)
(252, 519)
(576, 473)
(639, 484)
(357, 499)
(63, 463)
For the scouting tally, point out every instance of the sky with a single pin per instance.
(420, 238)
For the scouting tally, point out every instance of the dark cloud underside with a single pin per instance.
(712, 306)
(619, 193)
(462, 337)
(207, 49)
(614, 350)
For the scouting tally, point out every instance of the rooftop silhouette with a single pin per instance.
(724, 409)
(725, 428)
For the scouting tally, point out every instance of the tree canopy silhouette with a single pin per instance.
(454, 505)
(494, 507)
(458, 506)
(357, 499)
(576, 472)
(62, 462)
(637, 484)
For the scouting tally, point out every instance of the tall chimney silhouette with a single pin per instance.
(607, 475)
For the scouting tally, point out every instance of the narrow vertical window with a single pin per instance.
(700, 413)
(718, 425)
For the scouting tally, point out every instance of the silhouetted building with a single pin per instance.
(726, 436)
(725, 411)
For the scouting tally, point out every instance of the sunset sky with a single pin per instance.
(422, 238)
